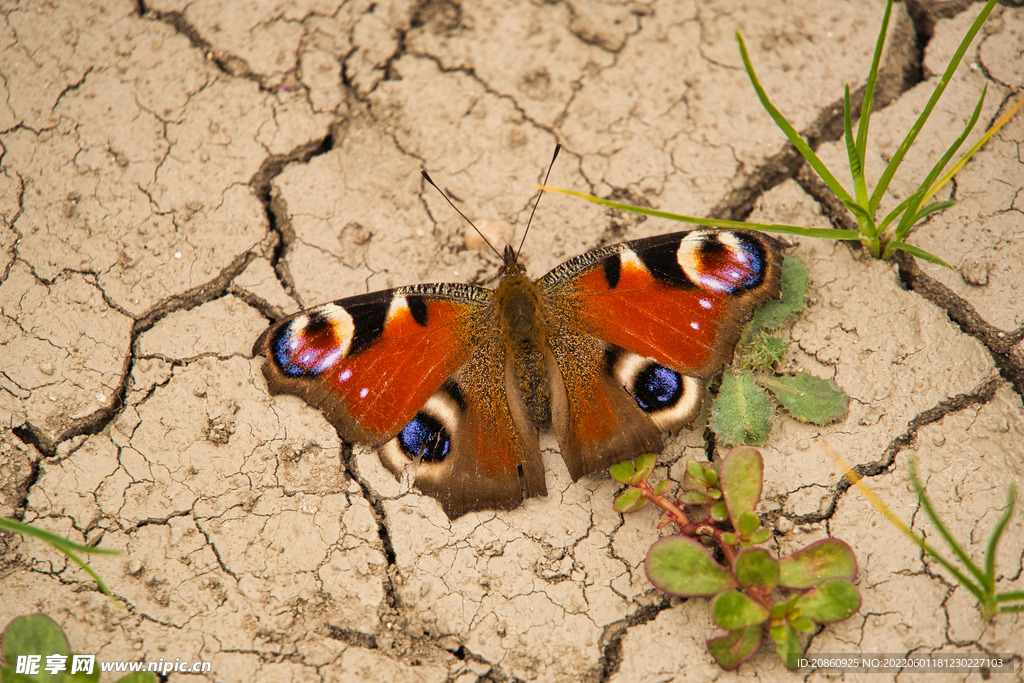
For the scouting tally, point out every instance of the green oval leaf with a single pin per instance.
(629, 500)
(719, 513)
(681, 566)
(644, 464)
(694, 498)
(833, 600)
(622, 471)
(742, 412)
(731, 650)
(732, 610)
(808, 398)
(742, 470)
(761, 536)
(825, 559)
(749, 523)
(787, 644)
(756, 567)
(35, 634)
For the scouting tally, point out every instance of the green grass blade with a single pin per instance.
(916, 252)
(997, 532)
(974, 148)
(822, 233)
(856, 162)
(895, 213)
(788, 129)
(941, 528)
(58, 542)
(901, 151)
(68, 547)
(869, 89)
(908, 221)
(1010, 596)
(1010, 609)
(933, 208)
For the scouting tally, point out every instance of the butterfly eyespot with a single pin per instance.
(657, 387)
(425, 434)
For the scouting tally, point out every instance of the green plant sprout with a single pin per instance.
(741, 413)
(751, 590)
(983, 587)
(67, 547)
(39, 635)
(881, 238)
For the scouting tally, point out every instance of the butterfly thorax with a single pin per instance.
(523, 329)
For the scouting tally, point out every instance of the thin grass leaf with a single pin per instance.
(908, 221)
(856, 162)
(941, 528)
(869, 89)
(997, 532)
(1000, 122)
(1010, 595)
(67, 547)
(822, 233)
(1010, 609)
(895, 213)
(933, 208)
(915, 251)
(901, 151)
(53, 539)
(788, 129)
(877, 503)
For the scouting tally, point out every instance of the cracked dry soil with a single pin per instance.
(174, 175)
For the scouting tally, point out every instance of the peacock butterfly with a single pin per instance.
(609, 349)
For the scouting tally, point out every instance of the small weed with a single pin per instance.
(751, 590)
(881, 237)
(741, 414)
(37, 651)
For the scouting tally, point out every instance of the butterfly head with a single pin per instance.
(511, 265)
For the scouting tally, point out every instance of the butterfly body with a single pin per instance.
(609, 350)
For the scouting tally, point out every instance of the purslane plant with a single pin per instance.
(715, 555)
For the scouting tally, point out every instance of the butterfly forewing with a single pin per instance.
(371, 362)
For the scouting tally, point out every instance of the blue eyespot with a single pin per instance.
(425, 435)
(657, 387)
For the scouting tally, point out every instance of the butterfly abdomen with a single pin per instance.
(523, 328)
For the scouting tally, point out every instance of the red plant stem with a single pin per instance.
(674, 511)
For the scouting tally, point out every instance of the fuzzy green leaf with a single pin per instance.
(742, 412)
(662, 486)
(732, 610)
(761, 536)
(742, 471)
(681, 566)
(719, 512)
(35, 634)
(808, 398)
(756, 567)
(729, 538)
(731, 650)
(774, 313)
(802, 624)
(825, 559)
(833, 600)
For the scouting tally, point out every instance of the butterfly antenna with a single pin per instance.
(558, 148)
(447, 199)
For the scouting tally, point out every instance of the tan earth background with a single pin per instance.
(176, 175)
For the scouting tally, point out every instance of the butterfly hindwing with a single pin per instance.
(666, 312)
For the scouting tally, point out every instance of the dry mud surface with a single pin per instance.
(175, 175)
